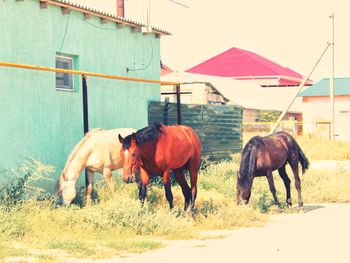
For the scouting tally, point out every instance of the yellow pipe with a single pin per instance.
(86, 73)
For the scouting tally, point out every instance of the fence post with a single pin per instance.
(85, 117)
(178, 103)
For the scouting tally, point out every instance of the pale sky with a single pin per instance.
(291, 33)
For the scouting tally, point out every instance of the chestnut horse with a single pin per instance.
(98, 152)
(157, 150)
(261, 156)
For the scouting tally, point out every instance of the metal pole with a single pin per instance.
(331, 82)
(85, 117)
(178, 103)
(85, 105)
(299, 89)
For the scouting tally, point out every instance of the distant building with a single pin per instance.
(257, 102)
(245, 65)
(164, 69)
(317, 108)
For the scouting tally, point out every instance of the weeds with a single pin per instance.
(22, 183)
(117, 223)
(317, 148)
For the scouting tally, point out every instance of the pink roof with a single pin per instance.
(242, 64)
(164, 69)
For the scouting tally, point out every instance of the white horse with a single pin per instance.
(98, 151)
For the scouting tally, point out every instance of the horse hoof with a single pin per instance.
(301, 209)
(190, 212)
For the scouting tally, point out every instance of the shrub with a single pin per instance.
(23, 183)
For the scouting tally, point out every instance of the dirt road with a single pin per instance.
(320, 234)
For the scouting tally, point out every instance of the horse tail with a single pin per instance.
(303, 159)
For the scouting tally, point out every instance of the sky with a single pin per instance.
(291, 33)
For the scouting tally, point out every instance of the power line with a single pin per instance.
(178, 3)
(148, 63)
(103, 28)
(65, 33)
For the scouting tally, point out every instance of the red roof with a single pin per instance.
(164, 69)
(242, 64)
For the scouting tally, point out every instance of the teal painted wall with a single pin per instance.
(39, 121)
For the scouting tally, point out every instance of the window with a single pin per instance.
(64, 81)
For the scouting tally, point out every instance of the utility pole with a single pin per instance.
(273, 129)
(331, 82)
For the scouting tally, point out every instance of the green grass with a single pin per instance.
(12, 251)
(79, 249)
(134, 246)
(117, 224)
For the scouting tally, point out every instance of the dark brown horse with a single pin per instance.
(261, 156)
(158, 149)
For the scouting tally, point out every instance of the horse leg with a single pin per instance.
(107, 174)
(282, 172)
(167, 187)
(186, 191)
(272, 186)
(90, 187)
(294, 165)
(142, 192)
(193, 169)
(142, 185)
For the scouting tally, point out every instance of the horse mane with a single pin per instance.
(147, 134)
(248, 162)
(78, 146)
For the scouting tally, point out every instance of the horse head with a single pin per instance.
(130, 157)
(66, 189)
(248, 169)
(243, 190)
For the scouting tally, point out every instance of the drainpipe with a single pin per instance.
(120, 8)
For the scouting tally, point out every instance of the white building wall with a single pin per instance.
(316, 114)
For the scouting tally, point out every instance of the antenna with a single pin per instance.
(148, 27)
(148, 15)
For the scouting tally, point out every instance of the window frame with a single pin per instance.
(69, 59)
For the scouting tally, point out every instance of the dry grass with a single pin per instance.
(323, 149)
(117, 224)
(316, 148)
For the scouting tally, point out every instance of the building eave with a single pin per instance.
(276, 77)
(104, 16)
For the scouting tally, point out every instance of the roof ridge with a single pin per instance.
(249, 53)
(209, 59)
(236, 62)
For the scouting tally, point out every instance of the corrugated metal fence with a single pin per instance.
(219, 127)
